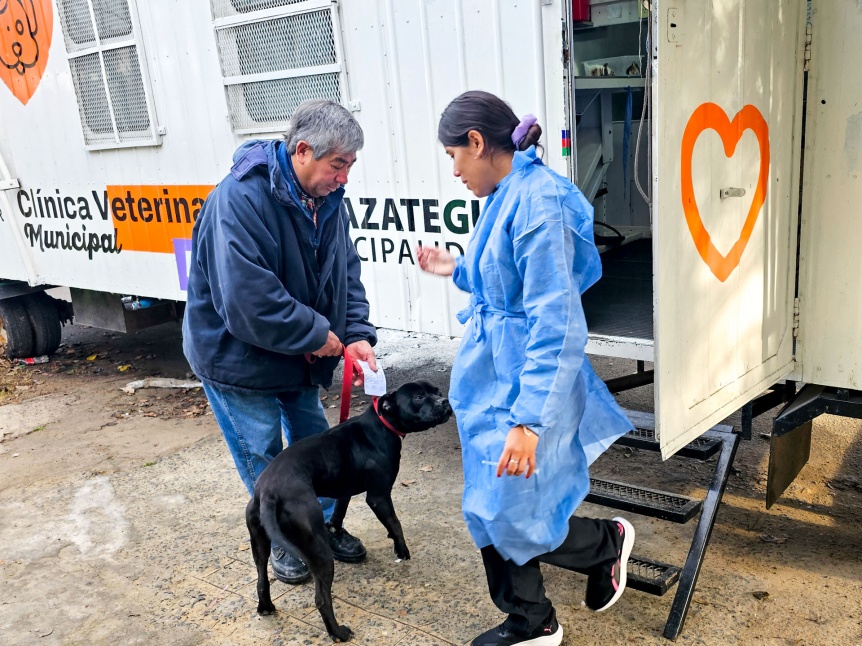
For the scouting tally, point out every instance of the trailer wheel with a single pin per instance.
(44, 321)
(16, 335)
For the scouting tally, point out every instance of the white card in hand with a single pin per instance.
(375, 382)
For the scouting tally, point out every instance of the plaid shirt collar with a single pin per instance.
(309, 203)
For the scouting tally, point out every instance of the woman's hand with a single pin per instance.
(519, 453)
(435, 260)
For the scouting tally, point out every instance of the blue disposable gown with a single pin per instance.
(522, 360)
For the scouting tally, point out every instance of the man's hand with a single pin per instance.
(362, 350)
(332, 347)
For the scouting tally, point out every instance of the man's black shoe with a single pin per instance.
(550, 634)
(287, 568)
(345, 548)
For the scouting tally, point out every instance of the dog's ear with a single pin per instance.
(386, 404)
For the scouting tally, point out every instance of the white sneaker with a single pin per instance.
(606, 586)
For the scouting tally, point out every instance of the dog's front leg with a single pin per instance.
(381, 505)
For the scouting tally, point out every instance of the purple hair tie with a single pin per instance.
(522, 128)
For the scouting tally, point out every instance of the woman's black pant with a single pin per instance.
(519, 590)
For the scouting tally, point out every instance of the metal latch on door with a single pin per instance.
(731, 192)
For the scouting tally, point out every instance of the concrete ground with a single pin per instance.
(121, 522)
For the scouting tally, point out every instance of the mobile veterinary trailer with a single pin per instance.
(728, 262)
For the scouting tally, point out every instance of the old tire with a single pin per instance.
(44, 321)
(16, 335)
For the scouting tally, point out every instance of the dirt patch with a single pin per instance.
(70, 415)
(123, 523)
(15, 381)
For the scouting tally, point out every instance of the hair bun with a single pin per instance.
(534, 133)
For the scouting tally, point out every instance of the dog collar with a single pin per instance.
(385, 423)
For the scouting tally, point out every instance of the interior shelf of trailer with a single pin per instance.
(608, 83)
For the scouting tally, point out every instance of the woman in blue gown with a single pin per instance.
(523, 390)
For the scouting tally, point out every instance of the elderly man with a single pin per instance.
(273, 295)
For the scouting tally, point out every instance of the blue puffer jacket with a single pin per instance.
(266, 286)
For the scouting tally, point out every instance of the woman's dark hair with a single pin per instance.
(488, 115)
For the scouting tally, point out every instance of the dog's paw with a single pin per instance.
(402, 552)
(341, 634)
(265, 609)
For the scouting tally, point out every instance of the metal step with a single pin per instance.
(643, 437)
(649, 576)
(643, 501)
(652, 577)
(701, 448)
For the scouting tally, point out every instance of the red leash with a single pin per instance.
(350, 367)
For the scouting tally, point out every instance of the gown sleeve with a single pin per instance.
(459, 276)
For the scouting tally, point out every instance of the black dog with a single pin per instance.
(362, 454)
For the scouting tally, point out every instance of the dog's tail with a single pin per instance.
(269, 520)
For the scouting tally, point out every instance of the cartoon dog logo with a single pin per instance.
(21, 49)
(25, 38)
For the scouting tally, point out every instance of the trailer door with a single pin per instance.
(727, 105)
(830, 308)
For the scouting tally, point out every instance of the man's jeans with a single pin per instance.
(252, 425)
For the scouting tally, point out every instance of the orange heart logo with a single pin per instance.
(711, 116)
(25, 39)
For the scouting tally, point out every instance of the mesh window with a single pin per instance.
(92, 100)
(295, 46)
(224, 8)
(273, 102)
(127, 93)
(112, 19)
(109, 82)
(77, 24)
(303, 40)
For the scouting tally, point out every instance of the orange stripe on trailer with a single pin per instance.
(150, 218)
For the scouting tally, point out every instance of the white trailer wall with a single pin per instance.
(406, 61)
(403, 62)
(43, 144)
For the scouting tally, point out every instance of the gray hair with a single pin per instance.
(326, 126)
